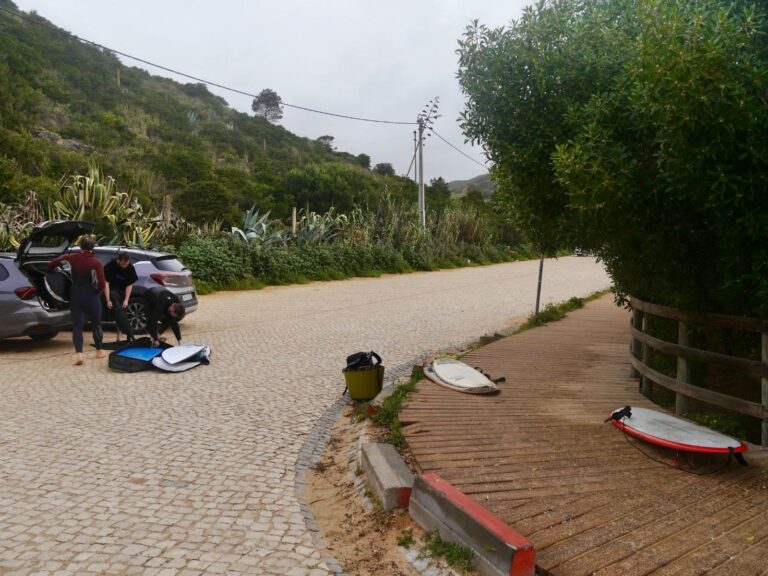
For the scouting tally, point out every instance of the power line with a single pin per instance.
(408, 173)
(459, 151)
(184, 75)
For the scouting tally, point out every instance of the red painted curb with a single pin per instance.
(524, 559)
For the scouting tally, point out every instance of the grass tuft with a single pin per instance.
(458, 557)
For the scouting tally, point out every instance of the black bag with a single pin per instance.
(362, 360)
(126, 363)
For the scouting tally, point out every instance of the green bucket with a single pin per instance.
(366, 383)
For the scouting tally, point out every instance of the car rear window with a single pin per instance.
(169, 263)
(3, 272)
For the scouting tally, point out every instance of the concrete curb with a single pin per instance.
(500, 550)
(388, 476)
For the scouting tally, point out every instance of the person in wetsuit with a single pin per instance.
(163, 309)
(88, 283)
(120, 275)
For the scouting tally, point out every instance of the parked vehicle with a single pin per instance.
(27, 308)
(21, 312)
(153, 269)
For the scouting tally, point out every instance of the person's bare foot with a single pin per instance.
(79, 360)
(100, 353)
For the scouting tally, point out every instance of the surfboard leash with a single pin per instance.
(731, 456)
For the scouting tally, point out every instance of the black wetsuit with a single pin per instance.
(156, 302)
(88, 283)
(119, 279)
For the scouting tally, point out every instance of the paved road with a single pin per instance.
(194, 473)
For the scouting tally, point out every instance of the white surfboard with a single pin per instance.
(182, 353)
(458, 376)
(161, 364)
(672, 432)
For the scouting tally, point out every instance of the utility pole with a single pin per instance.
(424, 120)
(420, 172)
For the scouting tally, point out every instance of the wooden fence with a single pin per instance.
(643, 343)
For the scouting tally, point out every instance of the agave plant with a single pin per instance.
(258, 229)
(95, 198)
(314, 228)
(13, 225)
(89, 197)
(213, 228)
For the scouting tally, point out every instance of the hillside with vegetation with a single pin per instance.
(65, 103)
(154, 162)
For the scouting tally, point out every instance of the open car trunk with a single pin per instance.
(47, 241)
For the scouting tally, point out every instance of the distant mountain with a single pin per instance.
(483, 183)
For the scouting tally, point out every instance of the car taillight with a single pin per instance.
(26, 292)
(165, 279)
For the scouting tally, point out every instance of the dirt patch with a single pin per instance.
(363, 541)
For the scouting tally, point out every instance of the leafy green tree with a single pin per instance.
(326, 141)
(522, 85)
(669, 169)
(206, 201)
(268, 105)
(384, 169)
(437, 192)
(364, 160)
(321, 186)
(634, 128)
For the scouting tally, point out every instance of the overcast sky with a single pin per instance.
(375, 59)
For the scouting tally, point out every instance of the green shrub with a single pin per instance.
(217, 261)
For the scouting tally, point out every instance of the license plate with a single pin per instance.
(187, 296)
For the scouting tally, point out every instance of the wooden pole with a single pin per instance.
(765, 390)
(683, 370)
(636, 347)
(538, 286)
(646, 383)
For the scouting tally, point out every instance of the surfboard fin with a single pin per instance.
(498, 380)
(619, 414)
(736, 456)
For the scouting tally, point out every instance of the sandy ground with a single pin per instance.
(363, 541)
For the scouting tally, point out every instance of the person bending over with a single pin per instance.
(88, 283)
(120, 275)
(163, 310)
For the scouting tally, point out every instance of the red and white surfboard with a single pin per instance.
(672, 432)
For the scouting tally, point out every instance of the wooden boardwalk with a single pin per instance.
(539, 456)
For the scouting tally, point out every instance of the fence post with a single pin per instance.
(645, 382)
(637, 322)
(683, 370)
(765, 389)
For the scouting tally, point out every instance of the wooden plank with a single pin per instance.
(672, 536)
(539, 456)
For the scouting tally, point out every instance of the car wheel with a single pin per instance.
(44, 336)
(137, 316)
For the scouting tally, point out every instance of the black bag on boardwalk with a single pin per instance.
(361, 360)
(121, 363)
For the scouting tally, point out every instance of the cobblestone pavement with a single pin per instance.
(194, 473)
